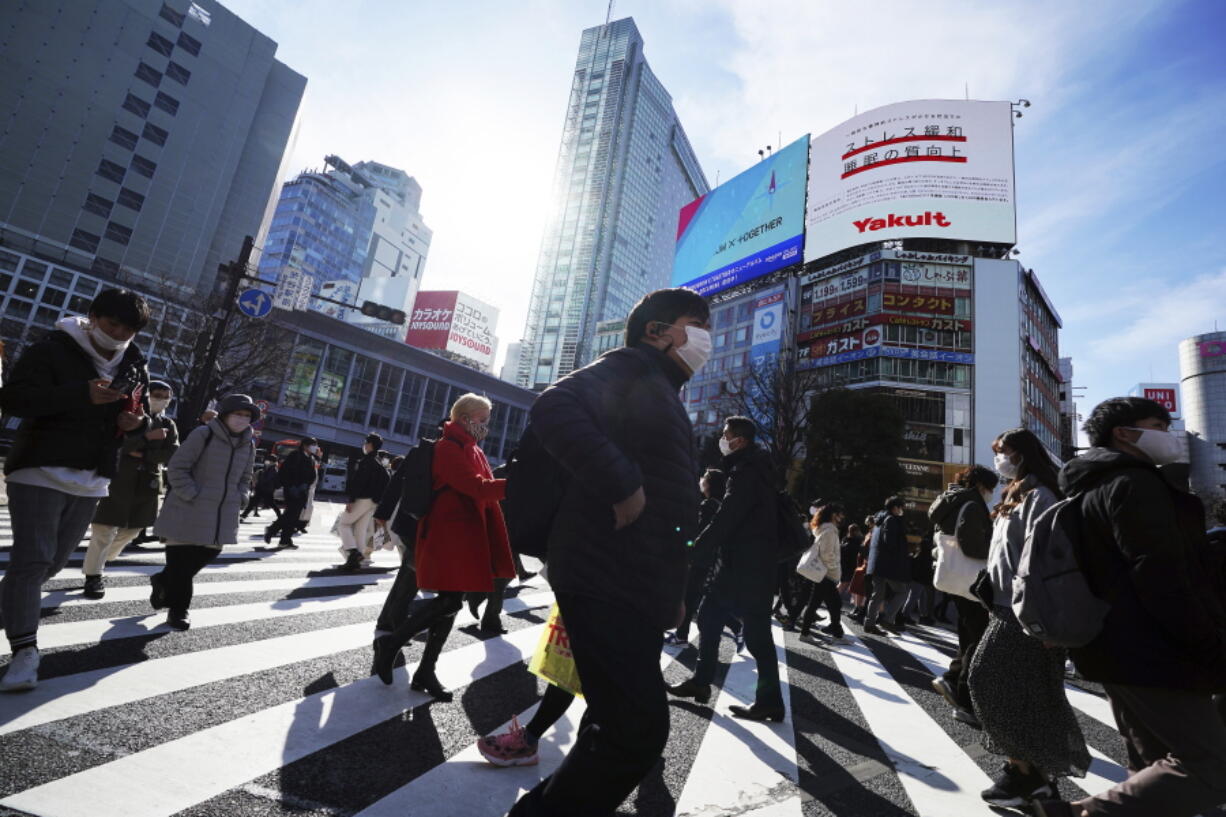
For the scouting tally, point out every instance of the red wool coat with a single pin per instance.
(462, 543)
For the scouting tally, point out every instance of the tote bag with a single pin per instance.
(811, 565)
(955, 571)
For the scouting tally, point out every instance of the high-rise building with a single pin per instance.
(510, 366)
(356, 232)
(1068, 410)
(1202, 375)
(625, 168)
(140, 140)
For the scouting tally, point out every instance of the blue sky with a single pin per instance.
(1120, 165)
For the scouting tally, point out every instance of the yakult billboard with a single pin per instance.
(456, 323)
(923, 169)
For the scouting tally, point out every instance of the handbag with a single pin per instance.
(811, 565)
(955, 571)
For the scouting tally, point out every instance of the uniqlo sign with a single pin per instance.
(1165, 398)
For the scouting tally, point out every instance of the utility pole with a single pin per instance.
(233, 273)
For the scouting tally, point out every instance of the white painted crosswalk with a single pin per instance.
(266, 707)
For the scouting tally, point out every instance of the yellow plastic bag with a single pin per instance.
(553, 659)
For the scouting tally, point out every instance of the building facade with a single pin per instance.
(625, 168)
(140, 140)
(1202, 381)
(356, 233)
(1069, 419)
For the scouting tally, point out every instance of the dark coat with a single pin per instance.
(849, 555)
(743, 533)
(615, 426)
(887, 552)
(369, 479)
(48, 388)
(462, 542)
(403, 524)
(1144, 550)
(132, 499)
(297, 472)
(961, 513)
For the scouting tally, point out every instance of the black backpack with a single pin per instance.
(791, 535)
(417, 491)
(536, 483)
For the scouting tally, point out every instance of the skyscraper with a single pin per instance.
(625, 168)
(139, 140)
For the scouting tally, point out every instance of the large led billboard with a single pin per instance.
(748, 227)
(924, 169)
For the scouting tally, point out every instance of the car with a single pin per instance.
(334, 479)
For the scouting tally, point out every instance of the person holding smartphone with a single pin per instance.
(79, 393)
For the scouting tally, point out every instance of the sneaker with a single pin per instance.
(833, 635)
(511, 748)
(1012, 789)
(22, 674)
(966, 716)
(178, 620)
(873, 629)
(95, 587)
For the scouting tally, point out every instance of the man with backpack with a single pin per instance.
(296, 475)
(617, 545)
(1161, 652)
(743, 539)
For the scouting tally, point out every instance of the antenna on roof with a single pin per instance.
(968, 91)
(609, 15)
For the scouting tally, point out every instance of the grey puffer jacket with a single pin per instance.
(210, 477)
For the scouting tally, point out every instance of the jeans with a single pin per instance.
(758, 640)
(972, 622)
(824, 592)
(625, 727)
(921, 599)
(105, 543)
(183, 562)
(889, 595)
(1176, 745)
(47, 527)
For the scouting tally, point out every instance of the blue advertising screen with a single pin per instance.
(748, 227)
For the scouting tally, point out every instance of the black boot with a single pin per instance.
(385, 659)
(758, 712)
(95, 587)
(353, 561)
(424, 680)
(691, 689)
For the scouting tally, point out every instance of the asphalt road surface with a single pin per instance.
(266, 707)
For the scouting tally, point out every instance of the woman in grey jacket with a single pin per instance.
(210, 477)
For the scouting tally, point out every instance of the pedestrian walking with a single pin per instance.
(365, 488)
(297, 475)
(264, 491)
(617, 550)
(889, 568)
(1161, 654)
(211, 477)
(131, 503)
(712, 486)
(826, 541)
(745, 541)
(79, 392)
(849, 557)
(461, 543)
(1017, 682)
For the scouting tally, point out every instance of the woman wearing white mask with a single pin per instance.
(211, 477)
(1016, 682)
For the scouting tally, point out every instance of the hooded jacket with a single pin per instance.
(887, 550)
(1143, 548)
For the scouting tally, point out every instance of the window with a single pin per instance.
(136, 105)
(178, 73)
(171, 16)
(357, 401)
(123, 137)
(167, 103)
(130, 199)
(97, 205)
(410, 403)
(189, 44)
(160, 44)
(118, 233)
(302, 369)
(143, 166)
(149, 74)
(55, 297)
(84, 241)
(109, 170)
(332, 381)
(385, 397)
(155, 134)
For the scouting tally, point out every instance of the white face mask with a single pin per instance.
(1160, 446)
(158, 404)
(237, 423)
(1005, 466)
(696, 350)
(987, 496)
(106, 341)
(725, 446)
(812, 510)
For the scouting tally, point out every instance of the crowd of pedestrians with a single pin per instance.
(640, 548)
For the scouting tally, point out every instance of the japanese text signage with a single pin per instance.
(455, 322)
(923, 169)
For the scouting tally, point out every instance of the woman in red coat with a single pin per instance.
(462, 543)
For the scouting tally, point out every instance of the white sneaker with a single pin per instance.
(22, 674)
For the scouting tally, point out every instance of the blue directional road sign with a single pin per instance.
(255, 303)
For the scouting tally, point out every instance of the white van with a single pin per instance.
(334, 479)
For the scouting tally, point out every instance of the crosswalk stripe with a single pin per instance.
(241, 568)
(174, 776)
(938, 776)
(744, 766)
(73, 598)
(71, 695)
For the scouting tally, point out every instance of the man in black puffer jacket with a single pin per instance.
(744, 537)
(617, 549)
(1162, 651)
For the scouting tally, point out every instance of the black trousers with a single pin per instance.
(183, 562)
(824, 592)
(261, 500)
(433, 615)
(972, 622)
(553, 706)
(625, 727)
(758, 640)
(695, 589)
(396, 612)
(287, 522)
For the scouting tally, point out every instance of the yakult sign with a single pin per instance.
(456, 323)
(925, 169)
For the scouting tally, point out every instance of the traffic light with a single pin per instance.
(384, 313)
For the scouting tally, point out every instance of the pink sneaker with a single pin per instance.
(509, 749)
